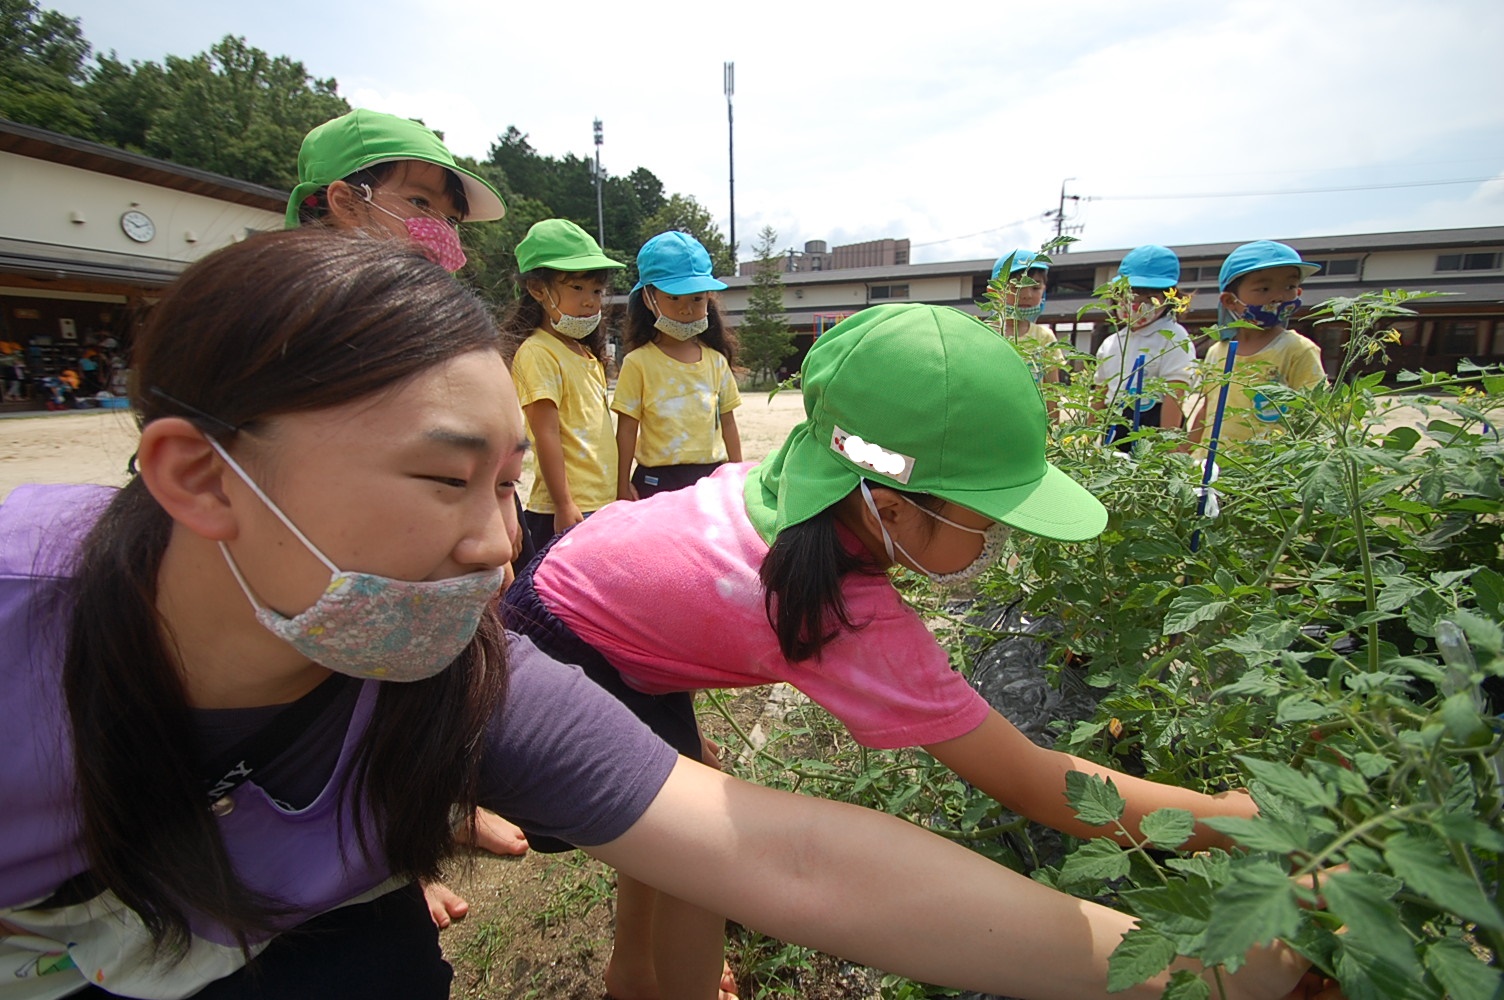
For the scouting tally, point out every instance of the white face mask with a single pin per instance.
(993, 537)
(573, 327)
(374, 627)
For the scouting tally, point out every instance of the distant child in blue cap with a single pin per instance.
(1023, 302)
(676, 394)
(1148, 329)
(1260, 284)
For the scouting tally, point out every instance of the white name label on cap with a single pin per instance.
(872, 456)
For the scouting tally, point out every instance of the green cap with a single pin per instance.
(929, 400)
(360, 139)
(560, 245)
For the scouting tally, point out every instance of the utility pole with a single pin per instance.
(729, 85)
(1059, 216)
(600, 212)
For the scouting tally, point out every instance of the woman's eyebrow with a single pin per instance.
(458, 439)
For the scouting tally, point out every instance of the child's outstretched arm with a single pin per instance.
(626, 450)
(875, 889)
(1030, 780)
(731, 436)
(543, 420)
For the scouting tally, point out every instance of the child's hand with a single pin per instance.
(627, 492)
(566, 517)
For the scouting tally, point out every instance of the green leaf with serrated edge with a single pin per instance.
(1095, 799)
(1288, 782)
(1186, 985)
(1167, 828)
(1256, 686)
(1345, 781)
(1366, 976)
(1299, 708)
(1470, 831)
(1141, 954)
(1254, 909)
(1463, 975)
(1257, 834)
(1362, 901)
(1462, 719)
(1488, 587)
(1485, 635)
(1098, 860)
(1371, 765)
(1178, 909)
(1427, 872)
(1213, 866)
(1190, 608)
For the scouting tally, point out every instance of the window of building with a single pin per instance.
(1454, 337)
(1197, 274)
(877, 292)
(1336, 267)
(1467, 261)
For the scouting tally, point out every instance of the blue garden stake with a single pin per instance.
(1211, 449)
(1135, 386)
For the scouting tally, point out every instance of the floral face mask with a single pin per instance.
(374, 627)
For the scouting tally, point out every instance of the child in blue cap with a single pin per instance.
(676, 394)
(1023, 302)
(1260, 284)
(1148, 328)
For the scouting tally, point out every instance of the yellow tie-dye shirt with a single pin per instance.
(545, 368)
(678, 406)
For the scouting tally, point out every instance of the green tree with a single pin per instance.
(683, 213)
(237, 111)
(42, 63)
(126, 99)
(764, 334)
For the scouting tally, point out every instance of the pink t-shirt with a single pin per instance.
(667, 590)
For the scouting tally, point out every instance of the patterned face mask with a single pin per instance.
(678, 330)
(993, 537)
(1026, 314)
(374, 627)
(1270, 316)
(573, 327)
(437, 239)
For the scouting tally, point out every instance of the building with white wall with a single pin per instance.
(89, 234)
(1466, 266)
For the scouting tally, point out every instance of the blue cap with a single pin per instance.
(1151, 266)
(675, 263)
(1023, 260)
(1261, 255)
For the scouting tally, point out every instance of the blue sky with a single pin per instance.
(952, 124)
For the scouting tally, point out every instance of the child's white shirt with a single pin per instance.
(1168, 352)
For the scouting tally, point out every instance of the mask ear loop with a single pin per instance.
(333, 569)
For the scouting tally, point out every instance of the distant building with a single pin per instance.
(1466, 265)
(817, 257)
(89, 234)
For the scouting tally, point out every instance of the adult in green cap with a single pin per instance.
(923, 444)
(560, 370)
(384, 174)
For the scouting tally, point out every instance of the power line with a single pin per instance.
(1262, 194)
(984, 232)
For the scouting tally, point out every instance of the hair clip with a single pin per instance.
(160, 393)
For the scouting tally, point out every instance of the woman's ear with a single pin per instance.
(185, 475)
(347, 204)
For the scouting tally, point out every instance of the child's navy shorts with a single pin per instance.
(671, 716)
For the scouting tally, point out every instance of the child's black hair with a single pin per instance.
(526, 314)
(315, 207)
(801, 579)
(640, 330)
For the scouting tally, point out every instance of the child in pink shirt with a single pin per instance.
(923, 444)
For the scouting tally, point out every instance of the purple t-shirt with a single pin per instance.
(562, 757)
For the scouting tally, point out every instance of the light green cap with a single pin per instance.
(924, 399)
(560, 245)
(360, 139)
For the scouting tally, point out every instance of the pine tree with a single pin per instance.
(764, 335)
